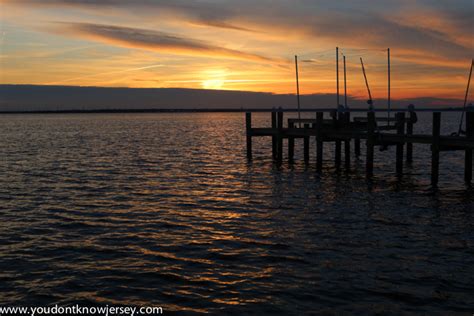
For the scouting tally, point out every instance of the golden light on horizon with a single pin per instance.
(239, 47)
(213, 84)
(214, 79)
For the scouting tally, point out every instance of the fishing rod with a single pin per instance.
(370, 101)
(297, 89)
(465, 99)
(389, 105)
(337, 77)
(345, 83)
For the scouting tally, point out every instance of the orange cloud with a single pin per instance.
(155, 41)
(431, 43)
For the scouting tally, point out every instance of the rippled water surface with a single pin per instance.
(164, 210)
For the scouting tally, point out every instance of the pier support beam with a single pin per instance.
(248, 127)
(435, 148)
(291, 144)
(319, 141)
(400, 117)
(347, 143)
(357, 147)
(306, 144)
(468, 152)
(274, 138)
(337, 155)
(280, 136)
(411, 120)
(369, 165)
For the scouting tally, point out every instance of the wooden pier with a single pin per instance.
(340, 129)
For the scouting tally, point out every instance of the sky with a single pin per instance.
(240, 45)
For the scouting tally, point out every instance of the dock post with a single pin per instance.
(411, 120)
(291, 144)
(248, 127)
(306, 143)
(319, 141)
(280, 136)
(357, 147)
(400, 131)
(274, 138)
(347, 143)
(468, 152)
(435, 148)
(337, 156)
(369, 166)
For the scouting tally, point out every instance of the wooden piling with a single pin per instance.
(319, 141)
(337, 155)
(347, 143)
(435, 148)
(412, 116)
(369, 166)
(400, 119)
(280, 136)
(306, 144)
(357, 147)
(291, 144)
(248, 126)
(274, 138)
(468, 152)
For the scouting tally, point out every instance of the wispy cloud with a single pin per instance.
(431, 41)
(103, 73)
(154, 41)
(438, 27)
(222, 25)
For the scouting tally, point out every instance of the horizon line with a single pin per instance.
(225, 90)
(443, 108)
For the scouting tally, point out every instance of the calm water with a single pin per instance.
(164, 210)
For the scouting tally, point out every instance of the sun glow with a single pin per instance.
(213, 84)
(214, 79)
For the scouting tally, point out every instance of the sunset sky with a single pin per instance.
(239, 45)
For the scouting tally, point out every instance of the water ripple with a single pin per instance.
(163, 209)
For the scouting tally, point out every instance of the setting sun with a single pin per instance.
(213, 84)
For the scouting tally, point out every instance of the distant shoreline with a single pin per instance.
(18, 99)
(220, 110)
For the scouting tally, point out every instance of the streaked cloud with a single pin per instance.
(431, 43)
(102, 74)
(155, 41)
(430, 26)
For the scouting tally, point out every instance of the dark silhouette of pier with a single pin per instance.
(340, 129)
